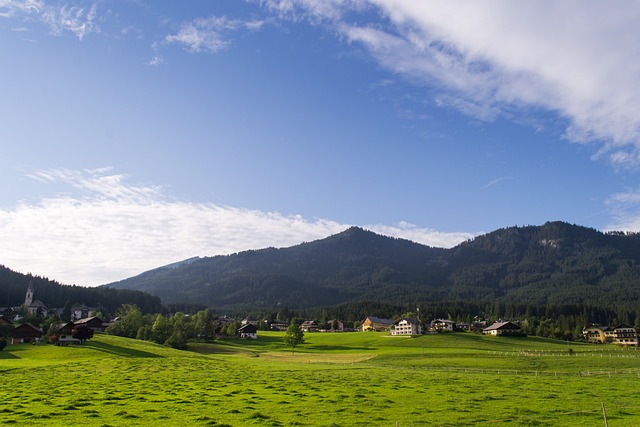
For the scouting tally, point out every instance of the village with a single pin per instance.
(83, 322)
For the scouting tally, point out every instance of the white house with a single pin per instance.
(407, 326)
(248, 332)
(441, 325)
(503, 328)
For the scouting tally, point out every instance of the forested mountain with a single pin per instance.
(13, 287)
(551, 265)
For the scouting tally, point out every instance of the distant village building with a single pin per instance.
(371, 323)
(25, 333)
(443, 325)
(278, 325)
(94, 323)
(503, 328)
(309, 326)
(34, 307)
(407, 326)
(248, 332)
(336, 325)
(82, 312)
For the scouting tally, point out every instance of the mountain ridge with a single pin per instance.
(556, 263)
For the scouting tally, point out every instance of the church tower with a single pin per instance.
(28, 299)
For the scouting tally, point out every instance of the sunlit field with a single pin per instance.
(349, 379)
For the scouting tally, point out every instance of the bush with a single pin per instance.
(3, 343)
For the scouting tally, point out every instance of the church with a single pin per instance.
(34, 307)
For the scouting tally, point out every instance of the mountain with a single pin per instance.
(556, 263)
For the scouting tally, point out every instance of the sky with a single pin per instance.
(138, 133)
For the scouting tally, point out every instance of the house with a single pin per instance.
(336, 325)
(309, 326)
(249, 320)
(25, 333)
(248, 332)
(278, 325)
(442, 325)
(82, 312)
(94, 323)
(407, 326)
(503, 328)
(61, 333)
(594, 334)
(622, 334)
(376, 324)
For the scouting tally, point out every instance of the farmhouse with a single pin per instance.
(407, 326)
(443, 325)
(336, 326)
(248, 332)
(25, 333)
(376, 324)
(622, 334)
(503, 328)
(82, 312)
(594, 334)
(61, 333)
(94, 323)
(309, 326)
(278, 325)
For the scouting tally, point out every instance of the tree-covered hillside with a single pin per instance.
(553, 264)
(13, 287)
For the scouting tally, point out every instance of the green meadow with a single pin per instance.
(349, 379)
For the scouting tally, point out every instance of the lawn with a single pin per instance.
(350, 379)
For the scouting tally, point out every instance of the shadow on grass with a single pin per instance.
(6, 355)
(120, 351)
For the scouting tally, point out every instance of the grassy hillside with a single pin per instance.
(333, 380)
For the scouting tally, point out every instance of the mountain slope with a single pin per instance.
(556, 263)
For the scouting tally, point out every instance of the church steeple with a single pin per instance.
(28, 299)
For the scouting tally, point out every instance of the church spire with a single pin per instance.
(28, 299)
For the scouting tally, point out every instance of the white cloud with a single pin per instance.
(78, 20)
(624, 207)
(209, 34)
(9, 8)
(579, 59)
(108, 229)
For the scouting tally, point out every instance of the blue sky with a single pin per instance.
(138, 133)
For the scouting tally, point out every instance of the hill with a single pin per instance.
(553, 264)
(13, 286)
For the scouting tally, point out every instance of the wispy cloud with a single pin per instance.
(577, 59)
(9, 8)
(495, 181)
(78, 19)
(624, 207)
(210, 35)
(105, 229)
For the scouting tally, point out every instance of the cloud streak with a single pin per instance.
(108, 229)
(209, 34)
(77, 19)
(577, 59)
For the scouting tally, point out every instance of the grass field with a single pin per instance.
(350, 379)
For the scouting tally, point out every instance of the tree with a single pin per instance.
(293, 336)
(131, 320)
(82, 333)
(3, 343)
(161, 329)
